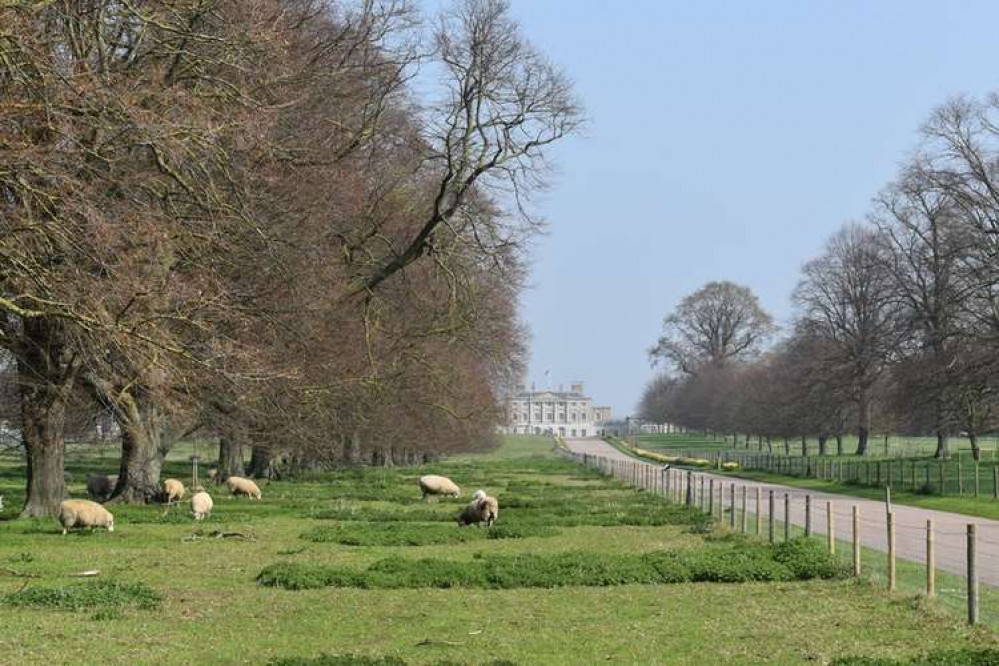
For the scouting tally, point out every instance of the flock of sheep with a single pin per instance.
(88, 513)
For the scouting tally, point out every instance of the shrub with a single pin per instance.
(727, 562)
(808, 558)
(964, 657)
(99, 594)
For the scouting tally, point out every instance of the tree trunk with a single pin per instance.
(787, 447)
(976, 450)
(822, 444)
(230, 458)
(144, 445)
(943, 446)
(44, 377)
(863, 423)
(45, 449)
(354, 455)
(261, 463)
(804, 446)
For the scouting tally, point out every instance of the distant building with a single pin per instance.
(566, 413)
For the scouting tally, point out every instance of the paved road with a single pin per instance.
(950, 529)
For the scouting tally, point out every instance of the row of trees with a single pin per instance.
(896, 322)
(240, 218)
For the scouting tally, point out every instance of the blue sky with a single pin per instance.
(727, 140)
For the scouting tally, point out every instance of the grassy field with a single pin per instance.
(579, 569)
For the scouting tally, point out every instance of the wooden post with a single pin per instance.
(745, 518)
(856, 540)
(830, 528)
(940, 469)
(960, 476)
(787, 516)
(931, 561)
(891, 550)
(759, 511)
(771, 516)
(731, 506)
(690, 488)
(711, 497)
(808, 515)
(972, 576)
(977, 483)
(995, 479)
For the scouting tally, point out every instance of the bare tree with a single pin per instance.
(719, 323)
(847, 298)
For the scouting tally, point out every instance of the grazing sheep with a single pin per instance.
(482, 509)
(100, 486)
(84, 513)
(431, 484)
(240, 486)
(201, 505)
(173, 490)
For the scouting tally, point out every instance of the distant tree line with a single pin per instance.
(896, 323)
(242, 218)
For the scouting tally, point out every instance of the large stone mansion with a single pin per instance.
(566, 413)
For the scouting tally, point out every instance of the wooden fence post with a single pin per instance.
(711, 497)
(856, 540)
(960, 476)
(759, 511)
(808, 515)
(995, 479)
(690, 488)
(745, 518)
(977, 482)
(787, 516)
(940, 470)
(731, 506)
(931, 561)
(830, 528)
(771, 516)
(891, 550)
(972, 576)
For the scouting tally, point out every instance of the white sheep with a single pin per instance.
(201, 505)
(431, 484)
(482, 509)
(1, 502)
(100, 486)
(84, 513)
(213, 475)
(239, 486)
(173, 490)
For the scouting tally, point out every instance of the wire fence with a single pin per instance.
(959, 476)
(933, 555)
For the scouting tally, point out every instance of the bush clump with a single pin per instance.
(104, 594)
(727, 562)
(964, 657)
(419, 534)
(808, 558)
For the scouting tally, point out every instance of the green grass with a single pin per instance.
(587, 571)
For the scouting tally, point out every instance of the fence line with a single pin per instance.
(709, 494)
